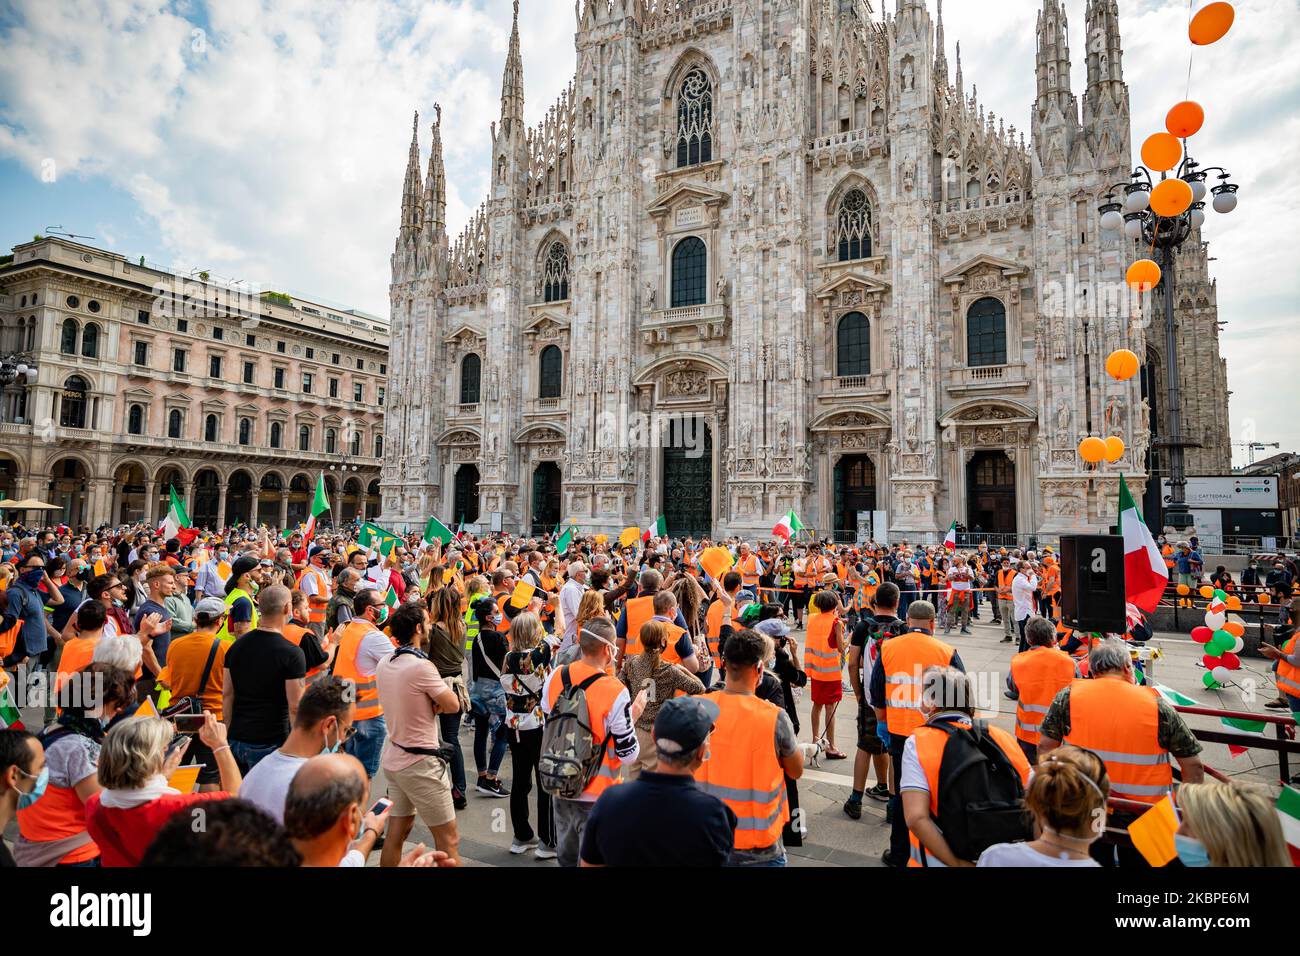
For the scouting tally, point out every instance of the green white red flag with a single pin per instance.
(659, 529)
(1145, 574)
(950, 539)
(788, 526)
(319, 505)
(177, 522)
(1288, 812)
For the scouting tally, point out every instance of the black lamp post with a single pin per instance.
(1167, 234)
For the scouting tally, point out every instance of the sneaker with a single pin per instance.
(878, 792)
(544, 852)
(518, 848)
(1279, 704)
(1009, 696)
(965, 630)
(885, 859)
(458, 800)
(853, 808)
(493, 788)
(1007, 640)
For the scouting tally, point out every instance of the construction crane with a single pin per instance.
(1254, 446)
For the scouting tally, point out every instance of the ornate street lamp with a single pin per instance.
(1133, 215)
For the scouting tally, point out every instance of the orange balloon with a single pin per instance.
(1265, 599)
(1233, 628)
(1185, 119)
(1092, 449)
(1143, 275)
(1233, 603)
(1207, 591)
(1114, 448)
(1121, 365)
(1161, 152)
(1184, 590)
(1211, 24)
(1171, 198)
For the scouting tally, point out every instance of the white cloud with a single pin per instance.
(272, 148)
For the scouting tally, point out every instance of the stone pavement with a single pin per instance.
(835, 840)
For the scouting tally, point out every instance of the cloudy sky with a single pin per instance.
(266, 141)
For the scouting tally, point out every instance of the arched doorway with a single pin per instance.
(371, 509)
(271, 490)
(128, 495)
(688, 477)
(239, 498)
(166, 479)
(68, 490)
(207, 495)
(300, 495)
(8, 479)
(466, 504)
(855, 490)
(991, 493)
(546, 497)
(351, 499)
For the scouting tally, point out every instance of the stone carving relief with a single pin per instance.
(686, 382)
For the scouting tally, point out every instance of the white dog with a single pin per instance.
(812, 753)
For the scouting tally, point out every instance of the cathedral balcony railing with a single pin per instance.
(546, 404)
(980, 378)
(837, 147)
(873, 387)
(466, 410)
(686, 323)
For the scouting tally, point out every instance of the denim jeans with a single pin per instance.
(367, 744)
(449, 731)
(487, 700)
(249, 755)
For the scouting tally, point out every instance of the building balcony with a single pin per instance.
(546, 404)
(987, 378)
(703, 322)
(467, 410)
(852, 144)
(871, 388)
(188, 448)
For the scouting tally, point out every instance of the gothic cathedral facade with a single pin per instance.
(765, 255)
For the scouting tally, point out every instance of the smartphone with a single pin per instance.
(189, 723)
(382, 804)
(179, 743)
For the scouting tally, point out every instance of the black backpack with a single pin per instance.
(981, 799)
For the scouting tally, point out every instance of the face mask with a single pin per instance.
(327, 749)
(33, 577)
(1191, 851)
(25, 800)
(381, 614)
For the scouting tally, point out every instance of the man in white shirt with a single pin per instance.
(570, 598)
(1023, 586)
(210, 582)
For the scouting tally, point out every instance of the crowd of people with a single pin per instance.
(310, 696)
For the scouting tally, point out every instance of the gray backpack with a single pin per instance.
(570, 756)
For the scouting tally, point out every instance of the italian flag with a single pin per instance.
(657, 530)
(1255, 727)
(177, 523)
(391, 597)
(1288, 811)
(1145, 574)
(319, 505)
(788, 526)
(435, 530)
(10, 718)
(565, 541)
(950, 539)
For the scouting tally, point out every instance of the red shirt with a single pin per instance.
(399, 585)
(299, 556)
(130, 831)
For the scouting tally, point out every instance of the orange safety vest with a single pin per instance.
(77, 654)
(743, 771)
(748, 568)
(636, 612)
(670, 655)
(1004, 583)
(345, 667)
(1288, 675)
(294, 633)
(930, 744)
(1039, 674)
(1120, 722)
(1051, 579)
(317, 603)
(713, 620)
(820, 660)
(803, 579)
(601, 697)
(9, 638)
(504, 626)
(905, 659)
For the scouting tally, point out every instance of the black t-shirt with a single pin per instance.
(259, 663)
(73, 597)
(866, 627)
(494, 644)
(658, 820)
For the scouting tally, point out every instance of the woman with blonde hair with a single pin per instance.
(1229, 823)
(690, 598)
(669, 680)
(447, 652)
(523, 674)
(1067, 796)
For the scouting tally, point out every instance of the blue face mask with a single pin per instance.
(327, 749)
(25, 800)
(33, 576)
(1191, 851)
